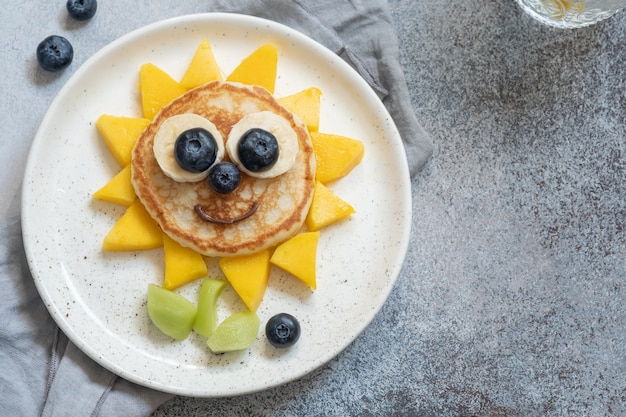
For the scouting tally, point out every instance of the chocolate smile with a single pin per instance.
(199, 209)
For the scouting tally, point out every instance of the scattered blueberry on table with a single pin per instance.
(54, 53)
(82, 9)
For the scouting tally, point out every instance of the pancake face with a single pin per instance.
(281, 203)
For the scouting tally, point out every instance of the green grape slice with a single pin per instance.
(237, 332)
(206, 318)
(170, 312)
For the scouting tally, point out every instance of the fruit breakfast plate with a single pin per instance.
(99, 298)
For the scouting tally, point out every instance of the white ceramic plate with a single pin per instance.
(99, 299)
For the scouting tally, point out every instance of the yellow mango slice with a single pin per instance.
(157, 89)
(326, 208)
(335, 155)
(248, 275)
(120, 134)
(182, 265)
(118, 190)
(306, 105)
(298, 257)
(259, 68)
(202, 69)
(135, 230)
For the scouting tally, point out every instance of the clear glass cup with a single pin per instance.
(571, 14)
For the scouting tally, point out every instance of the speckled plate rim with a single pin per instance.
(98, 299)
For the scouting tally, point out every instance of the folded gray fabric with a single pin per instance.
(362, 33)
(42, 372)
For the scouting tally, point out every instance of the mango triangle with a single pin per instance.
(120, 134)
(182, 264)
(135, 230)
(306, 105)
(298, 257)
(157, 89)
(118, 190)
(259, 68)
(202, 69)
(335, 155)
(248, 275)
(326, 208)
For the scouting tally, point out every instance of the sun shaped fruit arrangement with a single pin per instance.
(236, 220)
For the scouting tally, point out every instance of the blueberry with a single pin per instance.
(82, 9)
(224, 177)
(282, 330)
(257, 150)
(195, 150)
(55, 53)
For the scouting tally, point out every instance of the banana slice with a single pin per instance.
(279, 127)
(165, 139)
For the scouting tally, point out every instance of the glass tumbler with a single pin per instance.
(571, 14)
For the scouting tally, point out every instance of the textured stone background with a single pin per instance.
(511, 300)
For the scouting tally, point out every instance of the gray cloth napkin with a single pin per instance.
(362, 33)
(45, 374)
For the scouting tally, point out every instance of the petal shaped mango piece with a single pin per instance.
(202, 69)
(182, 265)
(335, 155)
(326, 208)
(157, 89)
(118, 190)
(135, 230)
(306, 105)
(120, 134)
(298, 257)
(248, 275)
(259, 68)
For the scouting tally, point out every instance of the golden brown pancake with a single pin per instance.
(283, 201)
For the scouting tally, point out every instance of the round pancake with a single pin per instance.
(283, 201)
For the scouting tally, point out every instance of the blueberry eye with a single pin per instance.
(186, 146)
(263, 144)
(258, 150)
(195, 150)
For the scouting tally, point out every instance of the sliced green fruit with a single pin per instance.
(237, 332)
(206, 317)
(170, 312)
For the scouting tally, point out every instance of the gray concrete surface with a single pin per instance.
(511, 299)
